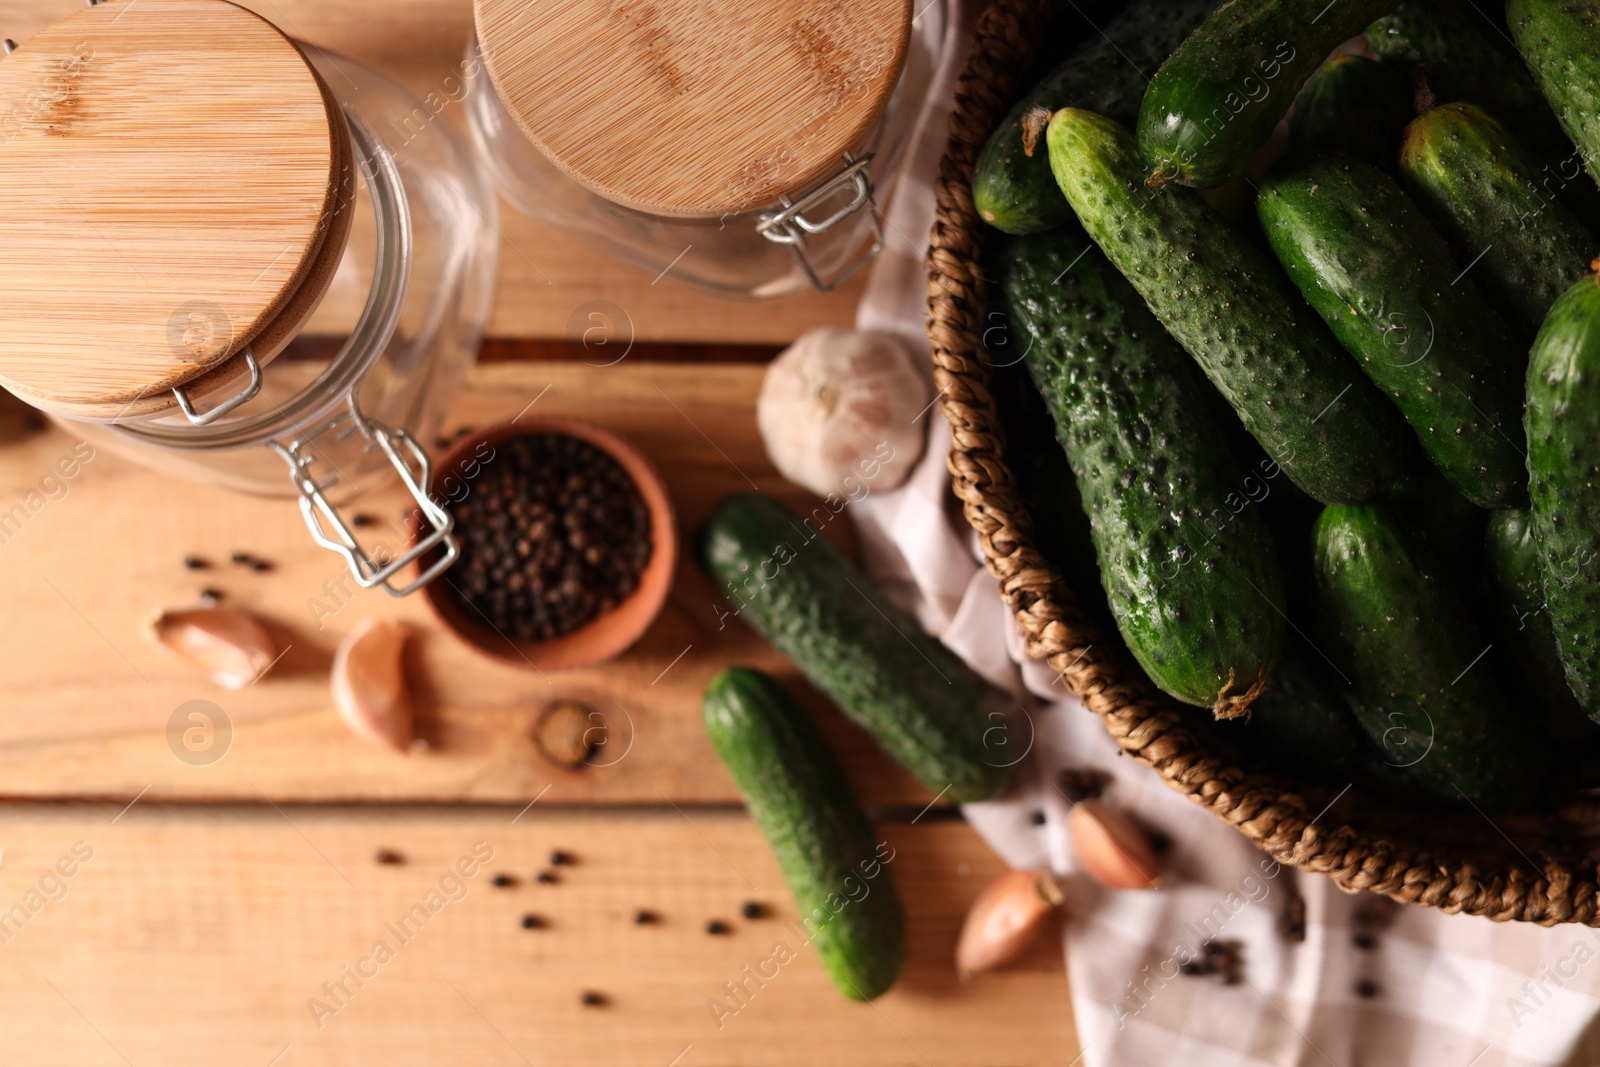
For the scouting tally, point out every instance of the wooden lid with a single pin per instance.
(172, 172)
(693, 109)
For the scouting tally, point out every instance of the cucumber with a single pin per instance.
(1465, 58)
(1452, 524)
(1404, 639)
(1353, 105)
(1302, 724)
(1481, 189)
(1389, 288)
(1187, 562)
(830, 858)
(1564, 479)
(1560, 39)
(1011, 185)
(1216, 101)
(883, 670)
(1229, 305)
(1511, 558)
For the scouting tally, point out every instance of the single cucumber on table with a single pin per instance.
(1560, 39)
(1011, 184)
(1511, 556)
(1353, 105)
(1484, 191)
(1229, 305)
(1187, 562)
(1563, 415)
(830, 858)
(1402, 637)
(1389, 288)
(913, 695)
(1215, 102)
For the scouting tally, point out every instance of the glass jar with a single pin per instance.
(811, 234)
(338, 401)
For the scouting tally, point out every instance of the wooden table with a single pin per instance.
(228, 911)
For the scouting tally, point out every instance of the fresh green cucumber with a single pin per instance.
(1564, 479)
(903, 687)
(1216, 101)
(1463, 58)
(1302, 725)
(1511, 556)
(1482, 190)
(1402, 637)
(1452, 524)
(1229, 305)
(1388, 286)
(833, 862)
(1353, 105)
(1011, 185)
(1560, 39)
(1187, 562)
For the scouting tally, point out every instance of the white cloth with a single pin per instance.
(1451, 990)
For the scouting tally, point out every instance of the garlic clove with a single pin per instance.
(1113, 848)
(369, 684)
(233, 648)
(1005, 919)
(840, 412)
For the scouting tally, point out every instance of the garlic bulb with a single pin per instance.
(844, 412)
(229, 645)
(369, 684)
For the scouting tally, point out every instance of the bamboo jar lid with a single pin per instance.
(694, 109)
(173, 179)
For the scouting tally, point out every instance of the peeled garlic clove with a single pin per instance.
(839, 412)
(369, 684)
(1005, 919)
(230, 646)
(1113, 848)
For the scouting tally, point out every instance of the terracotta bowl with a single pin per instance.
(603, 636)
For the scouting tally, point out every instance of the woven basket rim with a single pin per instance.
(1515, 885)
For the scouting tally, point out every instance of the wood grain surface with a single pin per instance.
(204, 937)
(689, 109)
(547, 279)
(185, 153)
(101, 696)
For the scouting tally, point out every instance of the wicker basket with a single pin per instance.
(1531, 867)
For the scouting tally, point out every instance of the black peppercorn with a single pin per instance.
(643, 918)
(195, 563)
(560, 859)
(241, 557)
(260, 565)
(211, 594)
(1366, 989)
(751, 910)
(716, 926)
(1363, 941)
(501, 881)
(531, 922)
(593, 1000)
(1037, 818)
(389, 857)
(545, 877)
(361, 519)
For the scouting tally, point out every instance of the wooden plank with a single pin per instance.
(545, 275)
(92, 698)
(198, 936)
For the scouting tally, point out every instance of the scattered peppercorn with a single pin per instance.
(389, 857)
(1293, 922)
(1364, 941)
(1196, 967)
(1037, 818)
(1160, 843)
(553, 534)
(361, 518)
(546, 878)
(241, 557)
(752, 910)
(716, 926)
(643, 918)
(560, 859)
(593, 1000)
(531, 922)
(260, 565)
(211, 594)
(1082, 783)
(195, 563)
(1366, 988)
(501, 881)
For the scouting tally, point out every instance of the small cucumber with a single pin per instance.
(1011, 184)
(1216, 101)
(1483, 191)
(1511, 557)
(1389, 288)
(1229, 305)
(1302, 724)
(1464, 57)
(885, 672)
(1353, 105)
(1452, 524)
(1564, 479)
(1560, 39)
(1188, 565)
(798, 796)
(1403, 639)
